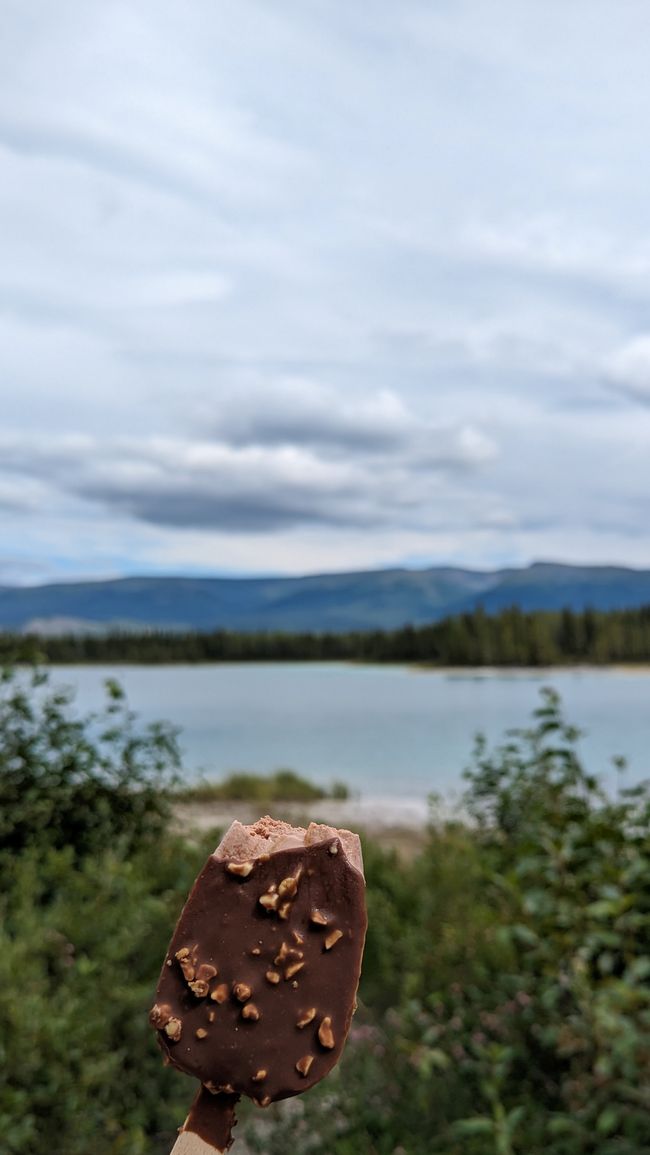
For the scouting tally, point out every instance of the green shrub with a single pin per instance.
(78, 782)
(557, 1046)
(282, 786)
(507, 976)
(91, 884)
(81, 944)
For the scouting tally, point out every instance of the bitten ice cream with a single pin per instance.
(258, 987)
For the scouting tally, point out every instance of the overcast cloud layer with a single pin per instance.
(301, 286)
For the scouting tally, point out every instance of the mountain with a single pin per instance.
(381, 599)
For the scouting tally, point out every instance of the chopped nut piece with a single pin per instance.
(284, 910)
(210, 1016)
(186, 963)
(325, 1036)
(241, 869)
(241, 991)
(250, 1011)
(283, 953)
(288, 887)
(205, 972)
(303, 1065)
(173, 1029)
(256, 950)
(306, 1017)
(269, 901)
(273, 976)
(259, 1075)
(161, 1014)
(187, 967)
(265, 1102)
(318, 917)
(286, 952)
(293, 969)
(334, 848)
(169, 962)
(220, 993)
(297, 937)
(199, 988)
(295, 984)
(333, 938)
(201, 1033)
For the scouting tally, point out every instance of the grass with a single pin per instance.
(282, 786)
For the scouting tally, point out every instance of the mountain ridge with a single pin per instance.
(331, 602)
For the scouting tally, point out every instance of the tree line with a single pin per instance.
(510, 638)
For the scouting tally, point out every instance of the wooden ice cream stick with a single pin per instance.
(189, 1143)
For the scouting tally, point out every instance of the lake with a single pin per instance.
(390, 732)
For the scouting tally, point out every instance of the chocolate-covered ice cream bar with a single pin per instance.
(258, 987)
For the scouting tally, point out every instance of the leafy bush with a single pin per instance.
(91, 884)
(558, 1046)
(283, 786)
(78, 782)
(80, 947)
(511, 962)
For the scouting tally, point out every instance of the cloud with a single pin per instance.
(302, 412)
(579, 258)
(298, 459)
(299, 411)
(628, 369)
(21, 496)
(257, 306)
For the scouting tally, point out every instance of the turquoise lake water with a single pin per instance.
(388, 731)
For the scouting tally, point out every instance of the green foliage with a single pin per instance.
(505, 1002)
(80, 945)
(91, 883)
(77, 782)
(571, 869)
(506, 995)
(509, 638)
(283, 786)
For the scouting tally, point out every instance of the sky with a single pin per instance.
(313, 286)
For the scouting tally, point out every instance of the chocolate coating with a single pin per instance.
(293, 959)
(212, 1118)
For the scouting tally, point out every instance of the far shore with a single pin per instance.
(396, 824)
(414, 667)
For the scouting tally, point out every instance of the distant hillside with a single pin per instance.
(383, 599)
